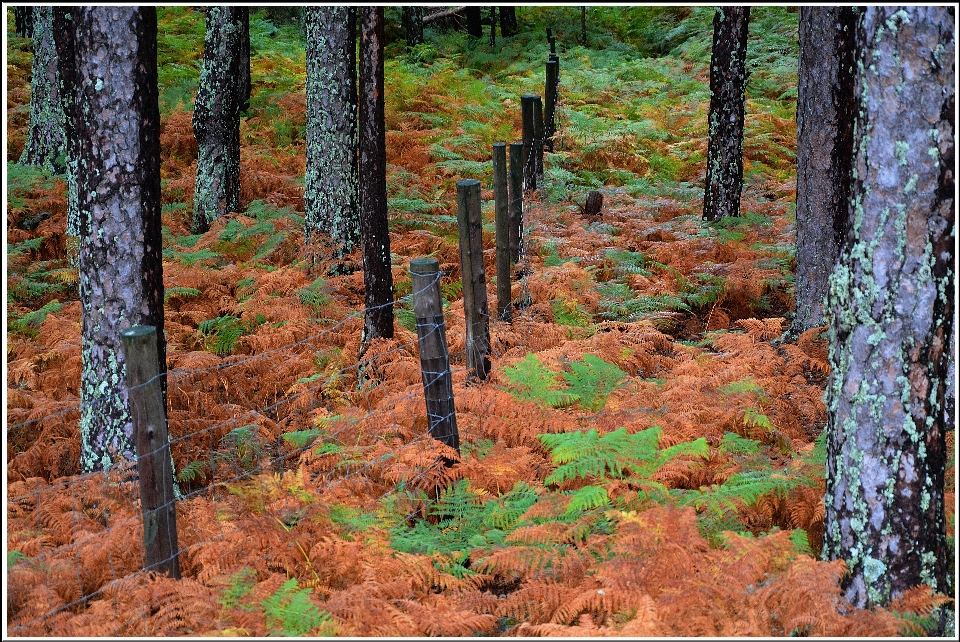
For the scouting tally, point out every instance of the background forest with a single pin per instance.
(646, 458)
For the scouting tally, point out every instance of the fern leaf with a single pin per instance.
(593, 380)
(530, 380)
(587, 498)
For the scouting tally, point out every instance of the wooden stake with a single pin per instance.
(501, 208)
(154, 465)
(516, 201)
(434, 355)
(474, 278)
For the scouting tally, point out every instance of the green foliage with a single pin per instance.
(180, 292)
(290, 612)
(221, 334)
(800, 541)
(180, 32)
(587, 498)
(734, 444)
(192, 258)
(14, 557)
(530, 380)
(617, 454)
(627, 262)
(29, 323)
(316, 295)
(240, 585)
(593, 380)
(570, 313)
(743, 387)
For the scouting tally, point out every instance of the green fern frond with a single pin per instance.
(222, 333)
(736, 445)
(530, 380)
(744, 386)
(290, 613)
(755, 418)
(593, 380)
(30, 322)
(315, 295)
(180, 291)
(587, 498)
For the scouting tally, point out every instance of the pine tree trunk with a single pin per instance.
(826, 107)
(23, 21)
(474, 21)
(64, 44)
(891, 312)
(728, 82)
(332, 194)
(216, 118)
(110, 99)
(246, 87)
(377, 274)
(413, 25)
(508, 21)
(46, 141)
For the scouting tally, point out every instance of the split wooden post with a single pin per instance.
(434, 355)
(474, 278)
(516, 201)
(154, 464)
(529, 162)
(501, 208)
(550, 91)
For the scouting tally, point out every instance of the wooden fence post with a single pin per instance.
(501, 208)
(550, 108)
(529, 162)
(538, 139)
(474, 278)
(516, 201)
(434, 356)
(154, 465)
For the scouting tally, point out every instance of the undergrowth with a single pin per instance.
(645, 460)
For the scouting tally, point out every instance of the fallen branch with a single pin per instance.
(443, 14)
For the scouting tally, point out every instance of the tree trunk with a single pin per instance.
(474, 22)
(493, 27)
(508, 21)
(216, 118)
(826, 107)
(891, 312)
(728, 82)
(377, 273)
(583, 26)
(110, 99)
(23, 21)
(246, 87)
(46, 141)
(413, 25)
(332, 192)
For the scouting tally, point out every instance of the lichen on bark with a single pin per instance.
(216, 117)
(331, 194)
(891, 313)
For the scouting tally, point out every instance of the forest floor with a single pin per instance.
(645, 460)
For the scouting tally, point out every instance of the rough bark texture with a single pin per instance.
(891, 312)
(246, 86)
(216, 118)
(65, 44)
(728, 82)
(332, 193)
(474, 22)
(377, 274)
(826, 107)
(46, 141)
(110, 96)
(23, 21)
(508, 21)
(413, 25)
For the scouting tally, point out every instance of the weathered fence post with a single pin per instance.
(434, 357)
(501, 208)
(538, 139)
(516, 201)
(474, 278)
(529, 162)
(154, 465)
(550, 108)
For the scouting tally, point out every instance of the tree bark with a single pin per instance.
(110, 99)
(493, 27)
(508, 21)
(332, 189)
(413, 25)
(728, 82)
(474, 21)
(826, 107)
(891, 312)
(246, 86)
(23, 21)
(46, 140)
(216, 118)
(377, 273)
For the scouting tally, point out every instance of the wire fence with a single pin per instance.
(82, 518)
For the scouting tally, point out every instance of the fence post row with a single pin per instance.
(550, 91)
(516, 201)
(501, 208)
(529, 164)
(434, 355)
(154, 463)
(538, 139)
(474, 278)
